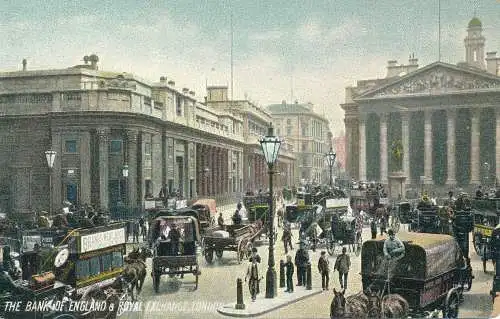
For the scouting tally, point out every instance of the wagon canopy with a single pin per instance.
(206, 202)
(427, 256)
(188, 225)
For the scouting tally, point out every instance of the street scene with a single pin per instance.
(240, 159)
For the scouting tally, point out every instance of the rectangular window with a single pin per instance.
(115, 146)
(95, 266)
(70, 146)
(289, 131)
(82, 269)
(117, 259)
(147, 148)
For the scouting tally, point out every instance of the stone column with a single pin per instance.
(405, 137)
(213, 171)
(451, 115)
(362, 147)
(102, 135)
(199, 171)
(131, 180)
(383, 149)
(474, 147)
(497, 145)
(218, 165)
(85, 182)
(428, 147)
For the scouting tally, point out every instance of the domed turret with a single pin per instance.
(475, 22)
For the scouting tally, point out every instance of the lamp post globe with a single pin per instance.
(330, 158)
(270, 147)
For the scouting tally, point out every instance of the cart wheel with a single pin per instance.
(209, 255)
(219, 253)
(451, 304)
(396, 224)
(156, 281)
(359, 244)
(241, 252)
(248, 250)
(476, 240)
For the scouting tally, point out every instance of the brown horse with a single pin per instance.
(363, 306)
(134, 271)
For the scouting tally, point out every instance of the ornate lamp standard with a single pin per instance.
(125, 175)
(270, 147)
(51, 157)
(330, 158)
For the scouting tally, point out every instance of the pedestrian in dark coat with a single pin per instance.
(289, 274)
(301, 260)
(287, 236)
(136, 230)
(373, 228)
(324, 270)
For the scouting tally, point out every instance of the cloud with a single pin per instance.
(267, 35)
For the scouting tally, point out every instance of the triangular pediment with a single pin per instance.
(436, 78)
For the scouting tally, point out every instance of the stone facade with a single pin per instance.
(309, 137)
(99, 121)
(445, 117)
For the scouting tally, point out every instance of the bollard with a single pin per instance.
(308, 277)
(282, 273)
(239, 294)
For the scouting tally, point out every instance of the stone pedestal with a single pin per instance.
(397, 185)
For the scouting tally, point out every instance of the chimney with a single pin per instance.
(191, 93)
(185, 90)
(492, 63)
(163, 79)
(393, 68)
(412, 63)
(93, 61)
(172, 83)
(24, 64)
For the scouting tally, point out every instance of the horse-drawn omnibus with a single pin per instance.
(486, 217)
(432, 274)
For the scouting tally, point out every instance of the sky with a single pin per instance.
(307, 50)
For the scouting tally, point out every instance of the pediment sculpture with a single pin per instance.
(439, 79)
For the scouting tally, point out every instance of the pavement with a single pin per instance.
(264, 305)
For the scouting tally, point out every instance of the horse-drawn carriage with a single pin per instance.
(207, 209)
(486, 217)
(402, 212)
(174, 256)
(238, 238)
(202, 215)
(428, 218)
(433, 274)
(345, 229)
(85, 266)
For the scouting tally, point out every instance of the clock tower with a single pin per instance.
(474, 44)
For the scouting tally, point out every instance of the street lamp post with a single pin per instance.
(125, 175)
(50, 156)
(330, 158)
(270, 147)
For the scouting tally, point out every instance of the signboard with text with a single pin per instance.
(337, 202)
(101, 240)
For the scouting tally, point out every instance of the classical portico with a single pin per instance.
(443, 115)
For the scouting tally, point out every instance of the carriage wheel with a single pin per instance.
(241, 252)
(396, 224)
(358, 245)
(476, 240)
(451, 304)
(156, 281)
(209, 255)
(219, 253)
(248, 250)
